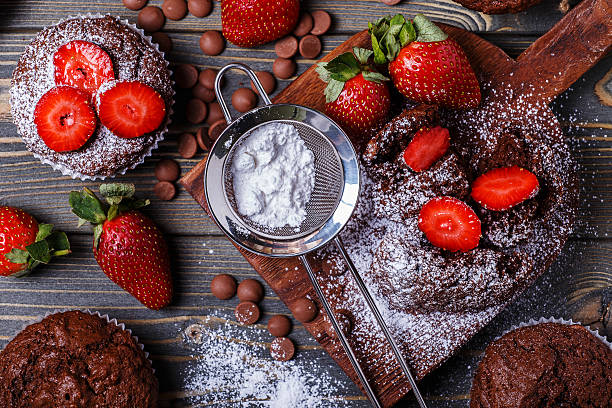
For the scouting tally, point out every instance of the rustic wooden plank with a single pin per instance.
(77, 282)
(348, 16)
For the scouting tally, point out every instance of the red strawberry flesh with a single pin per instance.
(130, 109)
(426, 147)
(362, 104)
(503, 188)
(64, 118)
(82, 65)
(450, 224)
(18, 229)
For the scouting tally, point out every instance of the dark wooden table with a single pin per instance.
(578, 286)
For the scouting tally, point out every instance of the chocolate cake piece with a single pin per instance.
(545, 365)
(133, 57)
(75, 359)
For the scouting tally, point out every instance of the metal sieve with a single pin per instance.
(330, 207)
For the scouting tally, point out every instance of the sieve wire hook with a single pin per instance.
(252, 77)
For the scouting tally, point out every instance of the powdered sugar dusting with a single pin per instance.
(134, 58)
(229, 370)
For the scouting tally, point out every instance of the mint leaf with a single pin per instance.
(362, 54)
(333, 90)
(39, 251)
(87, 206)
(428, 31)
(374, 76)
(343, 67)
(43, 231)
(18, 256)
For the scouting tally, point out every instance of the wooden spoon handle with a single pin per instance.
(558, 58)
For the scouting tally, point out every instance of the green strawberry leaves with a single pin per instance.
(344, 67)
(390, 34)
(89, 208)
(48, 244)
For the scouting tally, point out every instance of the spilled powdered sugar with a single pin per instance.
(233, 367)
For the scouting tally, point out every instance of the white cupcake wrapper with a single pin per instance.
(570, 322)
(93, 313)
(66, 171)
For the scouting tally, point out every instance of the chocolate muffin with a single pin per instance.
(546, 365)
(133, 57)
(75, 359)
(498, 6)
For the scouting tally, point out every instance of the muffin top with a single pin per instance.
(75, 359)
(134, 58)
(546, 365)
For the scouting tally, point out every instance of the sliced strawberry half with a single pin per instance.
(450, 224)
(426, 147)
(131, 109)
(64, 118)
(503, 188)
(82, 65)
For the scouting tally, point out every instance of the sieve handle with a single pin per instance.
(341, 336)
(251, 75)
(381, 322)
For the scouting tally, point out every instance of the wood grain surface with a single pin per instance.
(574, 287)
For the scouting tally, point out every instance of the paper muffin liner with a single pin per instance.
(570, 322)
(93, 313)
(66, 171)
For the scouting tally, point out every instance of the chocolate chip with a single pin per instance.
(391, 2)
(207, 78)
(187, 145)
(214, 113)
(345, 320)
(215, 130)
(267, 81)
(134, 4)
(304, 25)
(282, 349)
(174, 9)
(284, 68)
(212, 43)
(185, 76)
(163, 40)
(150, 19)
(223, 286)
(286, 47)
(310, 46)
(251, 290)
(203, 140)
(164, 190)
(279, 325)
(304, 310)
(247, 312)
(199, 8)
(196, 111)
(322, 22)
(203, 93)
(167, 170)
(244, 99)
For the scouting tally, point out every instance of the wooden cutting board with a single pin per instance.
(544, 70)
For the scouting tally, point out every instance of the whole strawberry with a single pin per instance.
(128, 246)
(425, 65)
(247, 23)
(356, 96)
(25, 244)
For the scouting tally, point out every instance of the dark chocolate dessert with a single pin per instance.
(134, 58)
(546, 365)
(75, 359)
(498, 6)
